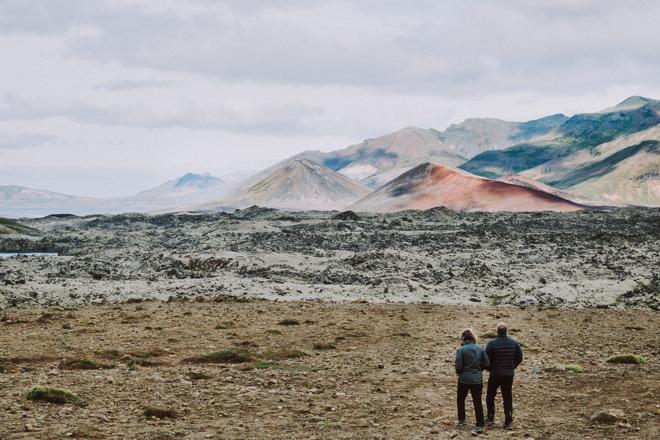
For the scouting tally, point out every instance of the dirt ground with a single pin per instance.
(338, 370)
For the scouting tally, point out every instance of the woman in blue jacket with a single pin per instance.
(471, 360)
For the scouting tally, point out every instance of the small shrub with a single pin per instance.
(82, 364)
(324, 346)
(160, 413)
(50, 395)
(274, 331)
(626, 359)
(289, 322)
(573, 368)
(488, 335)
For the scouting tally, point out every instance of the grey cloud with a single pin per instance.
(16, 141)
(129, 85)
(292, 119)
(464, 48)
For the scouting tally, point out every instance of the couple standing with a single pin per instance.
(501, 357)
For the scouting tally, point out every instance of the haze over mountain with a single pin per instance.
(432, 185)
(190, 186)
(296, 184)
(17, 201)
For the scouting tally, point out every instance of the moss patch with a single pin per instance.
(50, 395)
(229, 356)
(626, 359)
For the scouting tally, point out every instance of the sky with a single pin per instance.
(110, 97)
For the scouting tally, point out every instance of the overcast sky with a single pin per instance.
(111, 97)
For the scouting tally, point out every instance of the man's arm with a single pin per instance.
(459, 362)
(485, 362)
(519, 354)
(490, 353)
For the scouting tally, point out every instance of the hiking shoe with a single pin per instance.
(490, 423)
(476, 431)
(508, 426)
(460, 423)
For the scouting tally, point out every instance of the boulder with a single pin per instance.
(608, 416)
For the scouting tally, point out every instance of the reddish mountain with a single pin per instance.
(431, 185)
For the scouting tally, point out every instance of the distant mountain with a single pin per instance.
(13, 193)
(476, 135)
(190, 186)
(296, 184)
(18, 201)
(432, 185)
(378, 160)
(579, 132)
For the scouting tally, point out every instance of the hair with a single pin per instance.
(469, 334)
(501, 329)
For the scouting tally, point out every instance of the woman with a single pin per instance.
(470, 361)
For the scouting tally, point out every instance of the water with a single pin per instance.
(28, 254)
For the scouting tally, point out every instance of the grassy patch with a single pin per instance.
(573, 368)
(50, 395)
(274, 331)
(289, 321)
(626, 359)
(229, 356)
(83, 364)
(488, 335)
(324, 346)
(160, 413)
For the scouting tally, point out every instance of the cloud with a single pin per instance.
(290, 118)
(16, 141)
(128, 85)
(464, 48)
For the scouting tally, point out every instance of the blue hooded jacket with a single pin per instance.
(471, 359)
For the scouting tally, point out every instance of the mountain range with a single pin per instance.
(606, 158)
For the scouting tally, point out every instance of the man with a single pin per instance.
(505, 355)
(470, 361)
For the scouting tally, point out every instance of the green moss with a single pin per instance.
(573, 368)
(626, 359)
(50, 395)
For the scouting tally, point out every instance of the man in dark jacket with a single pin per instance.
(470, 361)
(505, 355)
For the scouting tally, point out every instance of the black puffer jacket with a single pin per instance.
(504, 354)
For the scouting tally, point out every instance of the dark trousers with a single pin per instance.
(505, 383)
(475, 391)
